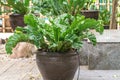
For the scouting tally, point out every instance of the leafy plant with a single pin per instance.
(58, 36)
(89, 5)
(65, 31)
(59, 7)
(104, 16)
(18, 6)
(41, 6)
(0, 11)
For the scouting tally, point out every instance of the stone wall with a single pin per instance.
(84, 54)
(105, 55)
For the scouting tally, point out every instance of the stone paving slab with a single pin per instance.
(108, 36)
(109, 74)
(99, 75)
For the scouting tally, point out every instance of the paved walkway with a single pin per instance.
(99, 75)
(26, 69)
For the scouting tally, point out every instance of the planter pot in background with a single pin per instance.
(56, 66)
(90, 14)
(106, 27)
(17, 20)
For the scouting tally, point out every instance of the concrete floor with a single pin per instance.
(99, 75)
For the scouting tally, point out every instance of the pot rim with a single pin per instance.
(11, 15)
(89, 10)
(56, 54)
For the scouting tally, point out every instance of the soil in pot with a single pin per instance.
(17, 20)
(56, 66)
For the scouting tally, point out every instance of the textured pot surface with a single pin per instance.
(17, 20)
(90, 13)
(56, 66)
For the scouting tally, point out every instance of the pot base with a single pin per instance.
(57, 67)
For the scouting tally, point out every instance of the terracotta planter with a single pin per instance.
(57, 67)
(90, 14)
(17, 20)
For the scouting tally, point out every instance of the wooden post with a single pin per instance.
(113, 22)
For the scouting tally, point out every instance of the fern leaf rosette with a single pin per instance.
(62, 34)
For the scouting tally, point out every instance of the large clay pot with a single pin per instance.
(56, 66)
(90, 13)
(17, 20)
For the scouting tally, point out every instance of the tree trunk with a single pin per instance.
(113, 22)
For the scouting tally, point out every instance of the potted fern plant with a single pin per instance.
(58, 40)
(18, 8)
(104, 16)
